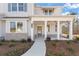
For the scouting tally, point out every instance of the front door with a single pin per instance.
(39, 31)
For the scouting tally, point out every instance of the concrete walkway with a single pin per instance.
(38, 48)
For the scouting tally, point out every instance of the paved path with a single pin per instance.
(38, 48)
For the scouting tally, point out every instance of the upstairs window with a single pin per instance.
(14, 6)
(50, 12)
(46, 12)
(22, 6)
(17, 7)
(9, 7)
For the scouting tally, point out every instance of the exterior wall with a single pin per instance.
(38, 11)
(16, 36)
(4, 11)
(58, 10)
(2, 28)
(29, 28)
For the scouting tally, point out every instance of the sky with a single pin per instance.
(68, 7)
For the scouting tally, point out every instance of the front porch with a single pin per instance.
(52, 28)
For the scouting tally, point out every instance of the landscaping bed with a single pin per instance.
(62, 48)
(14, 48)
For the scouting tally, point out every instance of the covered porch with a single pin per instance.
(52, 27)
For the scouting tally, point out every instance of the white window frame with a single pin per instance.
(10, 7)
(16, 27)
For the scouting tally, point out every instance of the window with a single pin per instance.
(12, 27)
(14, 6)
(46, 12)
(9, 7)
(56, 27)
(19, 26)
(50, 12)
(17, 7)
(22, 6)
(16, 26)
(48, 28)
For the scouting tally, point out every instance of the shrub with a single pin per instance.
(23, 40)
(56, 41)
(70, 49)
(68, 42)
(1, 44)
(48, 39)
(29, 39)
(2, 39)
(77, 38)
(11, 45)
(61, 54)
(12, 40)
(54, 44)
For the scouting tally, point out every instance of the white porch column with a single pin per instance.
(45, 29)
(58, 30)
(32, 31)
(71, 30)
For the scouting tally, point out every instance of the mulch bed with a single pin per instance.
(62, 48)
(14, 48)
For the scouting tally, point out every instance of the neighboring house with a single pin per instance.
(23, 20)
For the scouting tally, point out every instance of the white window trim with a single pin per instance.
(17, 8)
(16, 27)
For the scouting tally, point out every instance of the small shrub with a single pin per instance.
(70, 49)
(54, 44)
(12, 40)
(68, 42)
(2, 40)
(1, 44)
(77, 38)
(56, 41)
(29, 39)
(23, 40)
(11, 45)
(61, 54)
(48, 39)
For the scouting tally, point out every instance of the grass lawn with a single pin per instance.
(62, 48)
(14, 48)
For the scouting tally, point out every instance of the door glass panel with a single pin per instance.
(39, 29)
